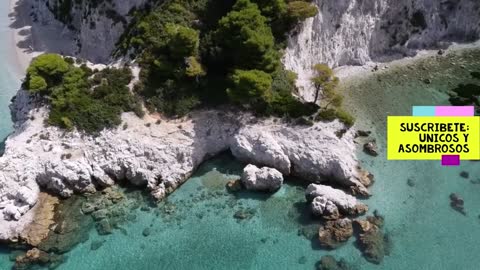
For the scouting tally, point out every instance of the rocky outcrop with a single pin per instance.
(322, 207)
(157, 155)
(350, 32)
(372, 241)
(263, 179)
(36, 256)
(335, 233)
(346, 203)
(371, 148)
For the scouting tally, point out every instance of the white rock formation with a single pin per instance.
(262, 179)
(322, 207)
(342, 200)
(352, 32)
(159, 156)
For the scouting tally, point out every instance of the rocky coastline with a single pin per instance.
(160, 154)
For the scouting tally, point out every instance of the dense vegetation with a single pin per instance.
(215, 52)
(192, 53)
(78, 97)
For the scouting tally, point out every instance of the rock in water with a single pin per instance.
(362, 133)
(410, 182)
(464, 174)
(335, 233)
(262, 179)
(234, 186)
(457, 203)
(373, 243)
(371, 148)
(36, 256)
(328, 262)
(104, 227)
(146, 232)
(322, 207)
(345, 203)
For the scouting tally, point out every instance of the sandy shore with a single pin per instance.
(24, 56)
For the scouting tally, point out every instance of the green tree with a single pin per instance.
(301, 10)
(325, 82)
(182, 41)
(246, 39)
(37, 84)
(49, 67)
(273, 9)
(250, 87)
(194, 68)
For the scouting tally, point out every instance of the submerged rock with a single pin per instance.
(329, 262)
(457, 203)
(373, 243)
(244, 214)
(335, 233)
(36, 256)
(362, 133)
(410, 182)
(464, 174)
(97, 244)
(104, 227)
(262, 179)
(146, 232)
(234, 185)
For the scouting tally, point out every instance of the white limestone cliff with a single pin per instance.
(82, 28)
(352, 32)
(159, 155)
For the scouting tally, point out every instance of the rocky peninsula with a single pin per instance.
(159, 153)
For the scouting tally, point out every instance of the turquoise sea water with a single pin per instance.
(9, 71)
(201, 232)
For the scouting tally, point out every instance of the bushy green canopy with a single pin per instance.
(246, 39)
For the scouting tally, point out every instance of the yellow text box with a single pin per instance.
(430, 137)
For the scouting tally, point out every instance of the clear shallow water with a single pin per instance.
(9, 71)
(202, 233)
(427, 233)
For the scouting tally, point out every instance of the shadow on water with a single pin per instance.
(2, 148)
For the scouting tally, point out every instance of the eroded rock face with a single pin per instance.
(158, 156)
(78, 29)
(262, 179)
(322, 207)
(354, 32)
(335, 233)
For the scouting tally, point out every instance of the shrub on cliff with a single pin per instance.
(77, 99)
(45, 71)
(250, 87)
(325, 84)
